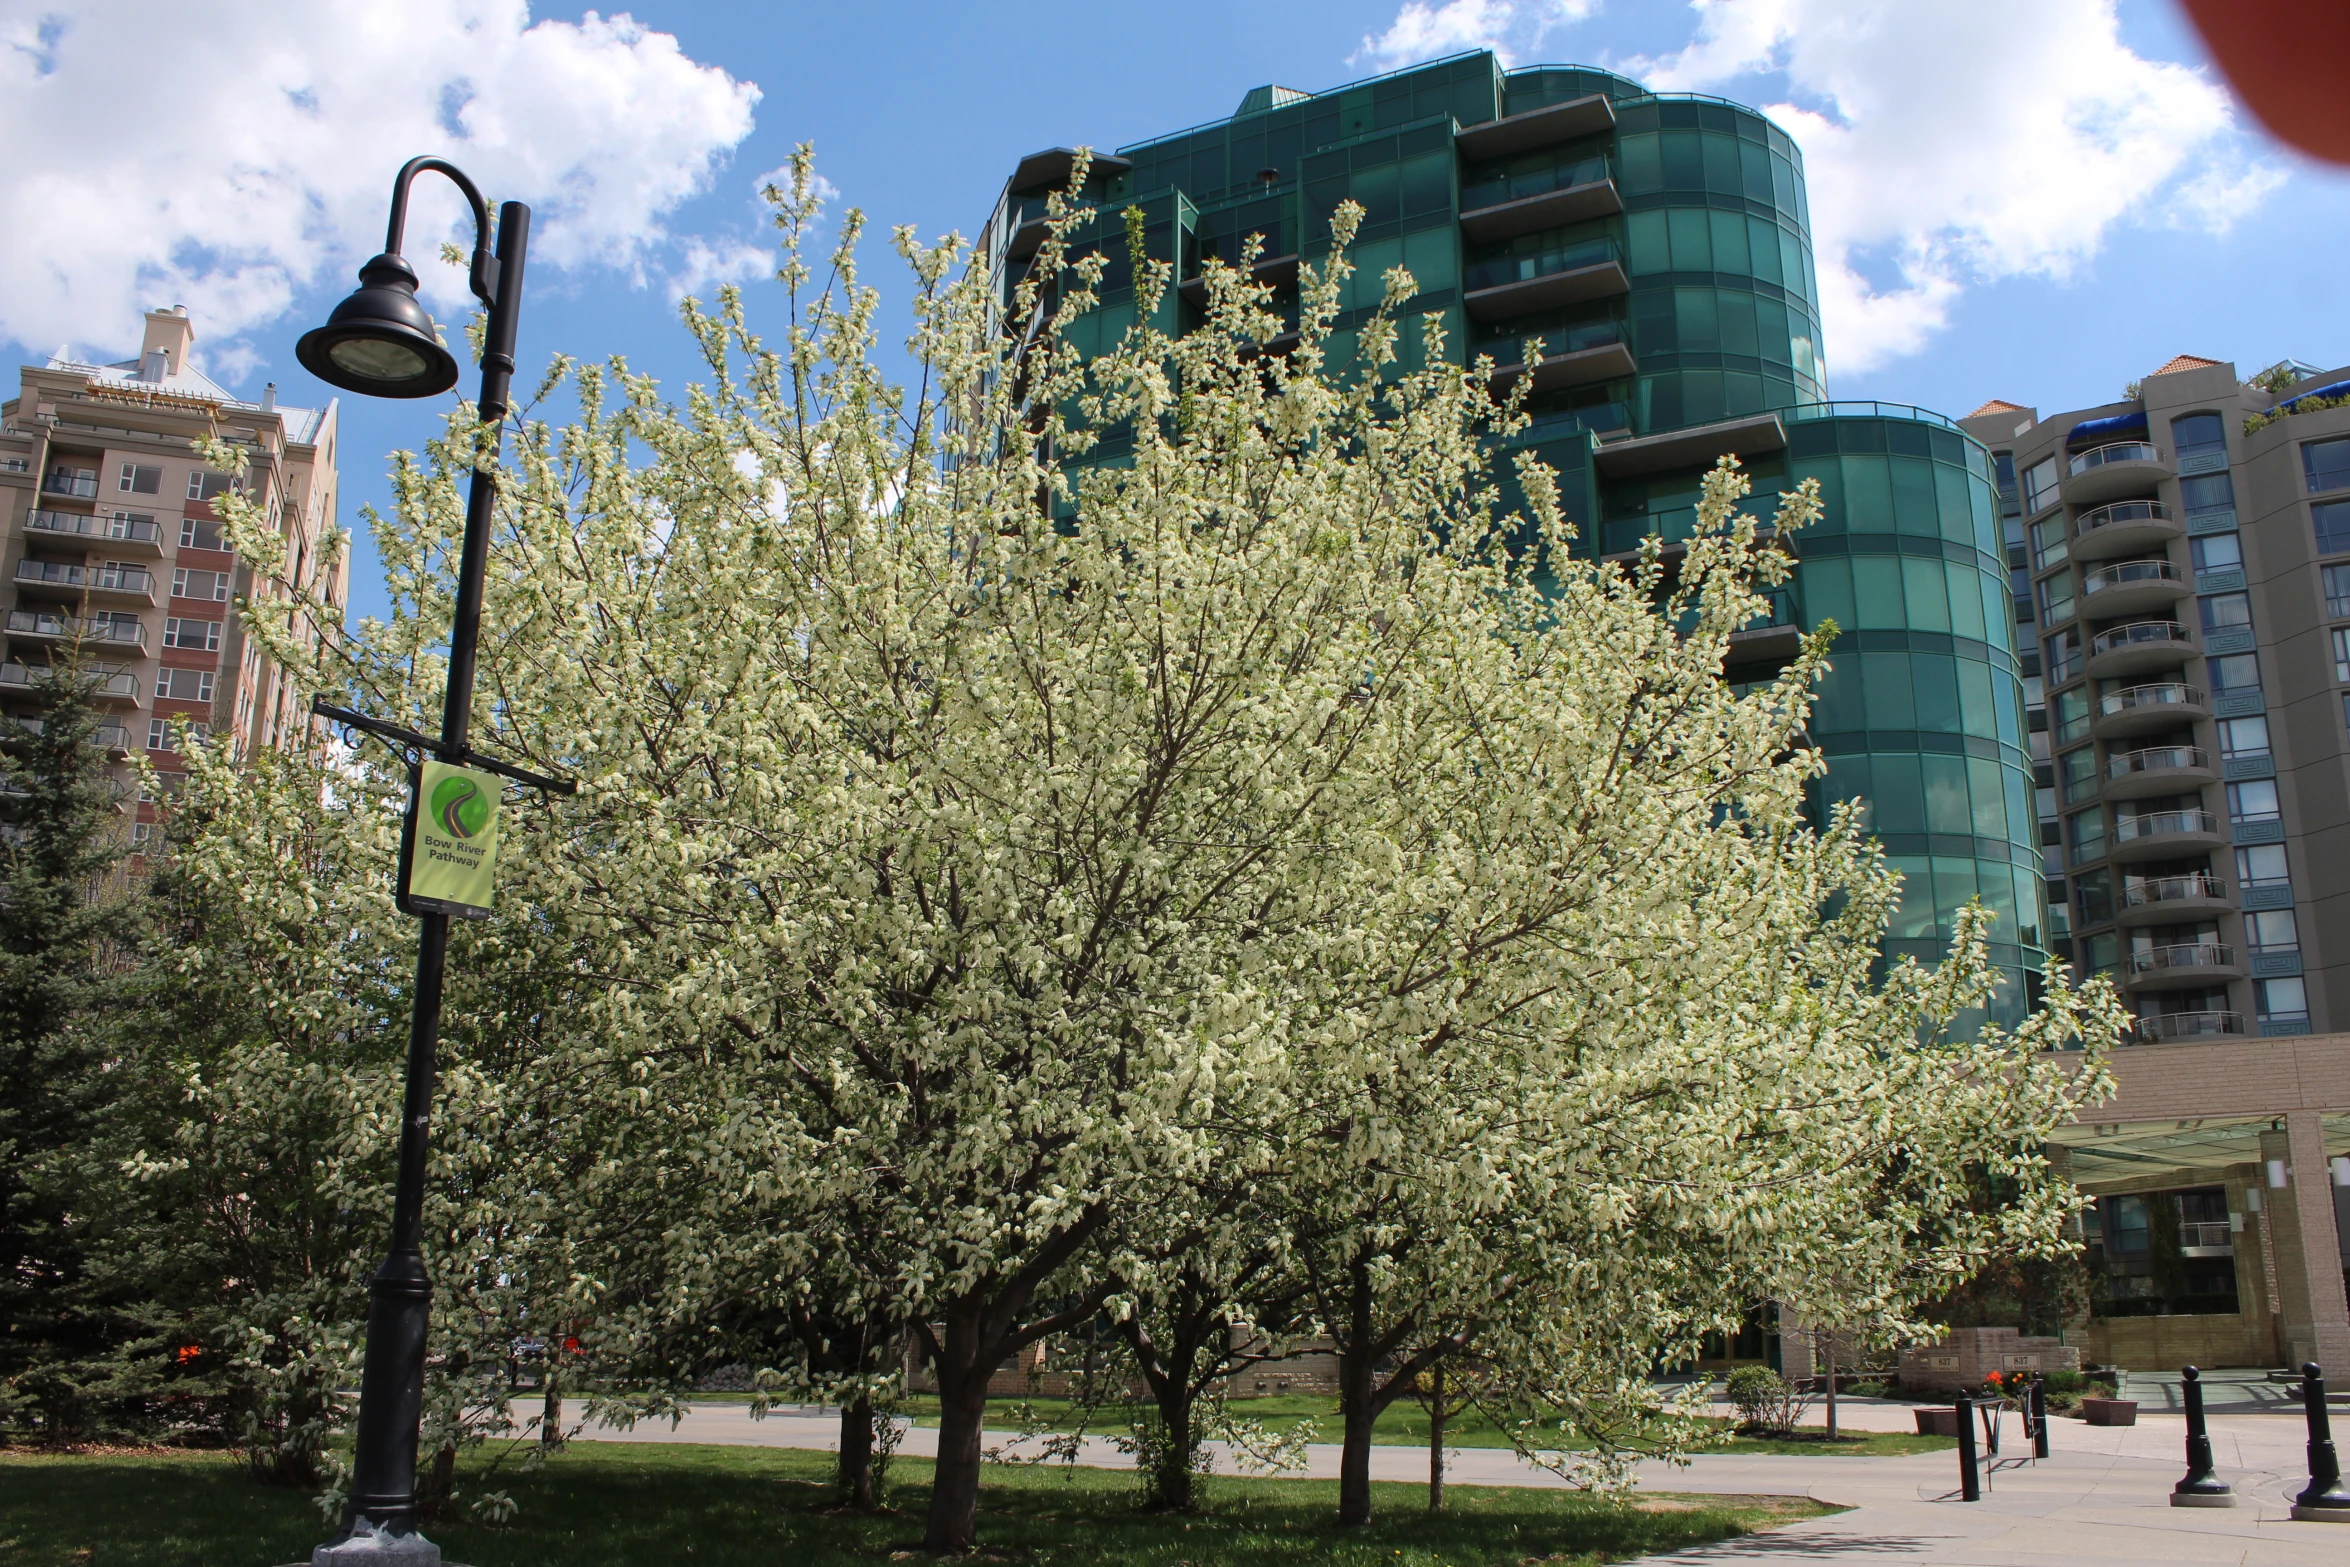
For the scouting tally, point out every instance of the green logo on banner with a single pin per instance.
(453, 858)
(460, 806)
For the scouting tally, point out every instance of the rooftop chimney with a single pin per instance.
(169, 332)
(269, 398)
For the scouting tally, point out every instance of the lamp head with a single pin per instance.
(380, 342)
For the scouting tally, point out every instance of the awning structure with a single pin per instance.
(2135, 1151)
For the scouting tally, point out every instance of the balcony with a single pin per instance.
(80, 483)
(1578, 356)
(2139, 648)
(2171, 900)
(2123, 528)
(2159, 835)
(1544, 127)
(108, 683)
(2159, 769)
(2188, 1025)
(123, 582)
(1544, 280)
(1270, 271)
(2145, 709)
(119, 529)
(49, 626)
(2133, 587)
(2109, 472)
(1539, 199)
(106, 737)
(2182, 965)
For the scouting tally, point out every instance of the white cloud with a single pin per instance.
(1507, 27)
(1951, 144)
(226, 155)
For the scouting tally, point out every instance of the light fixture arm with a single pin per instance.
(485, 286)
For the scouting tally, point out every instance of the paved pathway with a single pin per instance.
(2102, 1498)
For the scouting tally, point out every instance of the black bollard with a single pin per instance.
(1970, 1479)
(2324, 1501)
(2201, 1487)
(2039, 1407)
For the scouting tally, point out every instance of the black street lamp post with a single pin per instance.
(380, 342)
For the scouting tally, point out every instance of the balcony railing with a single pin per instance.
(2157, 758)
(2128, 572)
(2162, 693)
(105, 680)
(43, 623)
(109, 737)
(2120, 512)
(1504, 346)
(2197, 954)
(2190, 1025)
(119, 526)
(2117, 451)
(2139, 633)
(2139, 891)
(123, 579)
(2156, 824)
(1540, 263)
(2206, 1238)
(1533, 182)
(77, 482)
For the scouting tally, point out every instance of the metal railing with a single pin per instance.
(2113, 452)
(1533, 182)
(2161, 693)
(1504, 270)
(2192, 954)
(121, 526)
(2123, 573)
(2157, 758)
(2189, 1025)
(2140, 891)
(108, 579)
(2121, 511)
(43, 623)
(2206, 1235)
(79, 483)
(2138, 633)
(104, 680)
(2157, 824)
(123, 579)
(1556, 341)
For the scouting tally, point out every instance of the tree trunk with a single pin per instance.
(855, 1479)
(1829, 1344)
(1436, 1439)
(1358, 1379)
(551, 1416)
(962, 1415)
(1173, 1482)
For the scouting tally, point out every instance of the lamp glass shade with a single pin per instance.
(380, 342)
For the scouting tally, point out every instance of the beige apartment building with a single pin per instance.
(114, 546)
(2180, 574)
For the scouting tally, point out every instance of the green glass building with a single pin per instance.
(1659, 245)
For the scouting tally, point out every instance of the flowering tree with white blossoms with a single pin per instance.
(995, 846)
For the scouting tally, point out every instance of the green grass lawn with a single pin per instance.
(1405, 1424)
(616, 1505)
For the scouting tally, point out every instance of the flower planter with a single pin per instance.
(2110, 1411)
(1937, 1422)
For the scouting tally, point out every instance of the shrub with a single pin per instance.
(1767, 1402)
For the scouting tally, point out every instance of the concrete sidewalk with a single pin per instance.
(2102, 1498)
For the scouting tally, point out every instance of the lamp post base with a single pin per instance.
(2202, 1499)
(363, 1545)
(2321, 1514)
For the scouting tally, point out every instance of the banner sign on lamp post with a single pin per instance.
(452, 841)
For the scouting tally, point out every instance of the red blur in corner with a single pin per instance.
(2287, 60)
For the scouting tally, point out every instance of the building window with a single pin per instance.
(2326, 464)
(2093, 897)
(2282, 1002)
(2262, 865)
(2253, 800)
(2064, 657)
(2243, 736)
(139, 478)
(158, 735)
(186, 584)
(2040, 484)
(2206, 493)
(2234, 674)
(2224, 612)
(2217, 551)
(2272, 931)
(2342, 655)
(2196, 435)
(2076, 773)
(204, 485)
(2085, 836)
(184, 685)
(201, 635)
(201, 533)
(2048, 546)
(2337, 585)
(2330, 521)
(2056, 599)
(142, 833)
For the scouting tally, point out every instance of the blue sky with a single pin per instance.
(2036, 224)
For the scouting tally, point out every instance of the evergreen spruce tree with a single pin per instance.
(71, 923)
